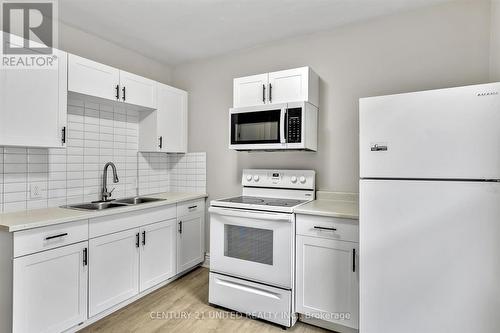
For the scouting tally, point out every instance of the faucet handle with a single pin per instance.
(109, 193)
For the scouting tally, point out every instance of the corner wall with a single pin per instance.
(495, 41)
(86, 45)
(434, 47)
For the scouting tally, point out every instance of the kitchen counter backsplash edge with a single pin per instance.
(37, 218)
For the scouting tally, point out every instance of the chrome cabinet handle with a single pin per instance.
(263, 93)
(180, 227)
(325, 228)
(192, 207)
(56, 236)
(378, 148)
(270, 93)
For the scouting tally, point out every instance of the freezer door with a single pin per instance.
(438, 134)
(430, 256)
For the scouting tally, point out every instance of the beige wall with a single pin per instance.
(442, 46)
(95, 48)
(495, 41)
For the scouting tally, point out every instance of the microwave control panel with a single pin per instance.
(294, 125)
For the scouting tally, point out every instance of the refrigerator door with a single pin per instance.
(438, 134)
(430, 256)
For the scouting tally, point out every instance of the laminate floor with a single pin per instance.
(182, 306)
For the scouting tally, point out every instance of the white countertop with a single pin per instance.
(36, 218)
(332, 204)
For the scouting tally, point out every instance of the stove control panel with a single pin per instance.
(287, 179)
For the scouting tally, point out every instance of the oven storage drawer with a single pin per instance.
(327, 227)
(258, 300)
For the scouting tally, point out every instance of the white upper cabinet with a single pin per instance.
(92, 78)
(172, 118)
(294, 85)
(95, 79)
(165, 129)
(291, 85)
(37, 95)
(137, 90)
(250, 90)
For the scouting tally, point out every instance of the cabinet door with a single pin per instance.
(158, 247)
(250, 90)
(327, 280)
(92, 78)
(33, 104)
(50, 290)
(172, 119)
(289, 85)
(137, 90)
(113, 270)
(190, 242)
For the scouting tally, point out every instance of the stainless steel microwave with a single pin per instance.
(274, 127)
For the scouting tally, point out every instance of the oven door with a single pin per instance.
(258, 127)
(252, 245)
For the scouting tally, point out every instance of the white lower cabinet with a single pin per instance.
(158, 248)
(60, 280)
(50, 290)
(113, 270)
(190, 241)
(327, 273)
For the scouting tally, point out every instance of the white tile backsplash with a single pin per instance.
(96, 134)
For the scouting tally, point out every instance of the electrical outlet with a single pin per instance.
(35, 191)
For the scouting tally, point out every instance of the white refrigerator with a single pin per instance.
(430, 211)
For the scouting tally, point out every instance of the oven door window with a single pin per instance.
(255, 127)
(251, 244)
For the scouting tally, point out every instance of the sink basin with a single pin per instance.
(97, 205)
(137, 200)
(100, 205)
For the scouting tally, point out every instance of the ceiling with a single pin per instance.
(177, 31)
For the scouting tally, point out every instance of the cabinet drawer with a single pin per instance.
(191, 207)
(328, 227)
(45, 238)
(114, 223)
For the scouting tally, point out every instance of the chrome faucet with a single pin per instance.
(105, 195)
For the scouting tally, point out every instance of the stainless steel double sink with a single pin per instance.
(100, 205)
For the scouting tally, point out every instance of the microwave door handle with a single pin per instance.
(282, 126)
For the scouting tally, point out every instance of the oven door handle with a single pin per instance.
(282, 125)
(250, 214)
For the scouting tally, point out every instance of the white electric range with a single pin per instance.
(252, 244)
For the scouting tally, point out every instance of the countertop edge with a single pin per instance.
(93, 214)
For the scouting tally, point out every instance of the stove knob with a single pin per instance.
(256, 178)
(302, 179)
(249, 177)
(293, 179)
